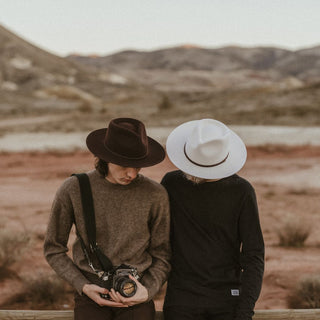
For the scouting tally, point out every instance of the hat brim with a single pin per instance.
(95, 143)
(175, 150)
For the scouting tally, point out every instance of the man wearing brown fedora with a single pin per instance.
(217, 243)
(121, 253)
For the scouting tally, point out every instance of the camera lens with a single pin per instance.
(125, 286)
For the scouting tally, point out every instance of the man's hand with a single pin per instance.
(140, 296)
(93, 292)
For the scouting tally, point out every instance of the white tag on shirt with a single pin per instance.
(235, 292)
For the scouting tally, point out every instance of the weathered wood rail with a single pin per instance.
(287, 314)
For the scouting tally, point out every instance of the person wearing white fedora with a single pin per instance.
(216, 238)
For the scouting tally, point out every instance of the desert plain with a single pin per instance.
(286, 180)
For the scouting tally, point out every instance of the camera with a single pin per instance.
(118, 279)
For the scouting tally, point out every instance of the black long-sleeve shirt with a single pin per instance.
(217, 244)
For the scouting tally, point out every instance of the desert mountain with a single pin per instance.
(238, 85)
(25, 66)
(163, 87)
(302, 64)
(36, 82)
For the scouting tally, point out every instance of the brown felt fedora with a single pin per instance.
(125, 143)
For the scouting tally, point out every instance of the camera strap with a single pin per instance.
(90, 223)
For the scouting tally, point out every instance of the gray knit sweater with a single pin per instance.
(132, 225)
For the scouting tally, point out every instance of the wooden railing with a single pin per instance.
(287, 314)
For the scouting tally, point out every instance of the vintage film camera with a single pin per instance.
(118, 279)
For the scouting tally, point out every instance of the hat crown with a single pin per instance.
(127, 137)
(208, 143)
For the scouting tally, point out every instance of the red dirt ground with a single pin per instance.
(286, 180)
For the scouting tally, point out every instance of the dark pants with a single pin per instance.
(190, 313)
(85, 309)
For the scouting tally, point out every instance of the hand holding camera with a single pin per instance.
(119, 280)
(94, 293)
(112, 298)
(140, 296)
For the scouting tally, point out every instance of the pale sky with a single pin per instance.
(104, 26)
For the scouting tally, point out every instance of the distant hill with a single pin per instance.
(36, 82)
(28, 66)
(303, 64)
(234, 84)
(163, 88)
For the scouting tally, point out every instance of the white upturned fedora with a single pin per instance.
(206, 149)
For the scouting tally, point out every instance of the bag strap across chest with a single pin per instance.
(90, 222)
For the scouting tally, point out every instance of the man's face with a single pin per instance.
(121, 175)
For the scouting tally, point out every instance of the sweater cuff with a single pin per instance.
(80, 284)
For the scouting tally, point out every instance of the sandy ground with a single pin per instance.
(286, 181)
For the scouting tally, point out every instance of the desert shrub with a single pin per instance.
(66, 92)
(293, 233)
(43, 289)
(306, 294)
(12, 245)
(40, 291)
(165, 103)
(269, 194)
(85, 106)
(299, 192)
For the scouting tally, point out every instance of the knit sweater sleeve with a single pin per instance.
(56, 240)
(252, 257)
(159, 247)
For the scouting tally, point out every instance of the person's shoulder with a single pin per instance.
(66, 189)
(71, 183)
(151, 184)
(243, 183)
(172, 176)
(155, 190)
(68, 183)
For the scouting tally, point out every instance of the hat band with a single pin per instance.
(203, 165)
(126, 157)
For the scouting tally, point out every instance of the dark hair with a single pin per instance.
(101, 166)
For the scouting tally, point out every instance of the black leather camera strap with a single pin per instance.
(90, 223)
